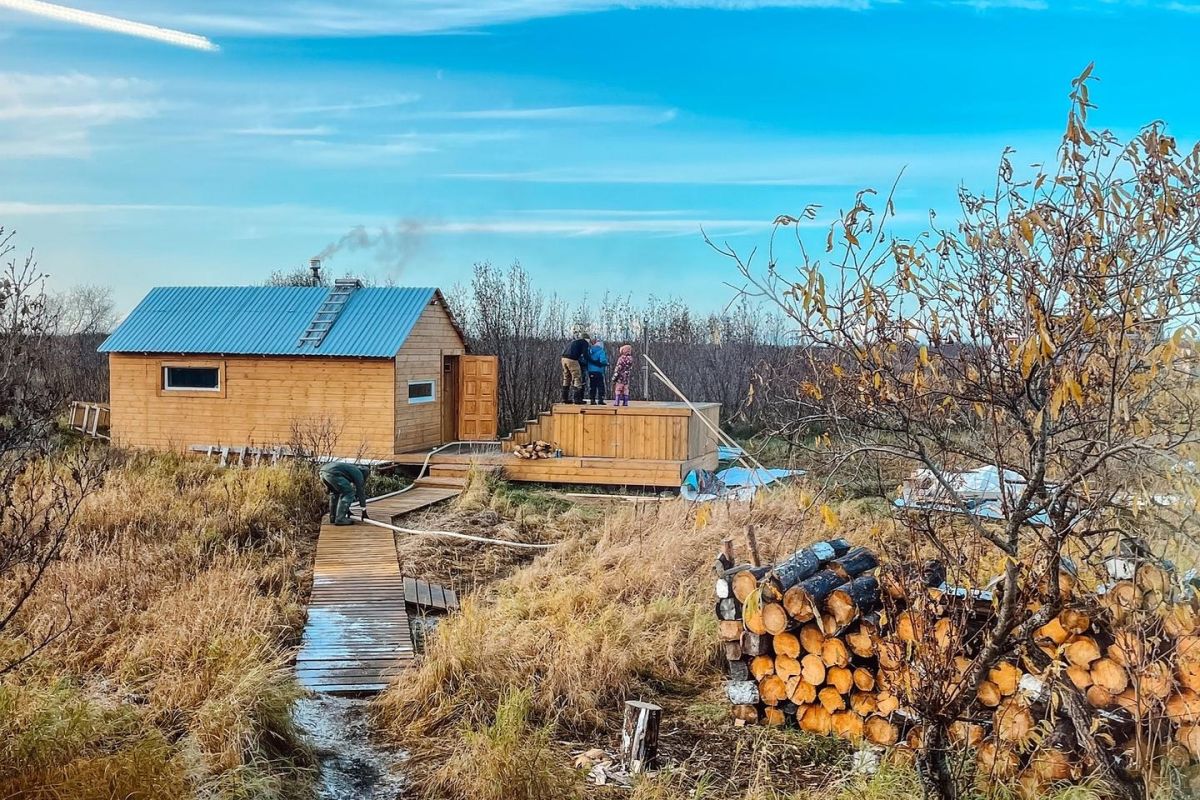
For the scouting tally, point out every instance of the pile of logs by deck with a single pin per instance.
(538, 449)
(828, 641)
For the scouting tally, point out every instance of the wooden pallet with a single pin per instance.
(357, 635)
(429, 596)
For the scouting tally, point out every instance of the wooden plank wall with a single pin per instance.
(260, 399)
(656, 433)
(419, 426)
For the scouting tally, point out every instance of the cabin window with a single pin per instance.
(192, 379)
(420, 392)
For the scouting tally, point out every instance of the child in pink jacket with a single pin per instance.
(621, 374)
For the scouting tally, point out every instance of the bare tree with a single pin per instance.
(1047, 334)
(38, 496)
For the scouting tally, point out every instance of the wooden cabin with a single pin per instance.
(350, 371)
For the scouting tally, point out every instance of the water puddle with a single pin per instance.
(353, 767)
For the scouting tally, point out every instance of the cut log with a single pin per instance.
(746, 713)
(813, 591)
(1074, 621)
(1081, 651)
(1051, 765)
(1180, 620)
(847, 725)
(839, 546)
(1099, 697)
(967, 734)
(851, 599)
(887, 703)
(989, 694)
(1006, 677)
(864, 679)
(742, 693)
(1189, 737)
(773, 717)
(729, 609)
(732, 650)
(835, 654)
(815, 719)
(729, 630)
(854, 563)
(639, 736)
(998, 762)
(1109, 675)
(802, 564)
(786, 644)
(881, 731)
(831, 699)
(812, 669)
(1121, 599)
(840, 678)
(890, 654)
(863, 703)
(752, 615)
(943, 634)
(1155, 680)
(860, 641)
(811, 639)
(898, 581)
(1184, 708)
(786, 667)
(745, 581)
(797, 604)
(762, 666)
(774, 618)
(803, 693)
(907, 627)
(773, 690)
(1081, 677)
(754, 644)
(1014, 724)
(1052, 633)
(1128, 648)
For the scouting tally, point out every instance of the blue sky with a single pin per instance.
(591, 140)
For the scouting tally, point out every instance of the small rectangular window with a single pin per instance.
(420, 392)
(192, 379)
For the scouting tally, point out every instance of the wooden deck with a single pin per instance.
(387, 508)
(429, 596)
(663, 473)
(357, 635)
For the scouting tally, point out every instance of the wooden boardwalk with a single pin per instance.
(357, 636)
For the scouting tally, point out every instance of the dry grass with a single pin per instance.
(620, 609)
(184, 582)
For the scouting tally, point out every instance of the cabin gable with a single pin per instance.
(428, 355)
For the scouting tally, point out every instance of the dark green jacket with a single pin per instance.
(356, 475)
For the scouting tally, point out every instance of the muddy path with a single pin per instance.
(353, 766)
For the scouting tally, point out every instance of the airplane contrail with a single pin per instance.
(106, 23)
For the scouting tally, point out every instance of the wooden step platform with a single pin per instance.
(357, 635)
(429, 596)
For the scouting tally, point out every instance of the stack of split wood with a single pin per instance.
(826, 641)
(538, 449)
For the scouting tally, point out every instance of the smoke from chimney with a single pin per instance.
(393, 246)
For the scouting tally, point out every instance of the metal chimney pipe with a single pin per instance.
(315, 265)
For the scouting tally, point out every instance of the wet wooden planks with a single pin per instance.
(357, 635)
(429, 595)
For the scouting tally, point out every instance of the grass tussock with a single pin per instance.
(183, 584)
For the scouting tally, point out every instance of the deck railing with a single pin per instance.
(90, 419)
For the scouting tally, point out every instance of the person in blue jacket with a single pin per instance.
(597, 365)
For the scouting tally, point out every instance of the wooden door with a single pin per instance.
(449, 398)
(477, 398)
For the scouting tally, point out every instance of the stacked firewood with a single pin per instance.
(826, 641)
(538, 449)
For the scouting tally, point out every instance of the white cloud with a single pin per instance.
(104, 22)
(588, 114)
(399, 17)
(55, 115)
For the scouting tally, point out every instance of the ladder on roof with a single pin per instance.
(331, 308)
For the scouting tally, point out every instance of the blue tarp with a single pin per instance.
(737, 483)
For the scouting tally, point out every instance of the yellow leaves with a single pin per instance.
(1026, 230)
(828, 516)
(838, 372)
(812, 390)
(1089, 322)
(923, 356)
(703, 516)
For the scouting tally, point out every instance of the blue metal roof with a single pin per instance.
(267, 321)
